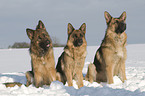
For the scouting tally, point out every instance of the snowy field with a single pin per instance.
(15, 62)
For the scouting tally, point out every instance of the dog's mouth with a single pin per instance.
(78, 42)
(121, 28)
(47, 45)
(44, 45)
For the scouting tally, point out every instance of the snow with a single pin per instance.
(15, 62)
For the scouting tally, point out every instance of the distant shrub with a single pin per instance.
(20, 45)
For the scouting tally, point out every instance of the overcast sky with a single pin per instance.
(17, 15)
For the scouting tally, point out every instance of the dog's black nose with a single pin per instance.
(47, 42)
(80, 42)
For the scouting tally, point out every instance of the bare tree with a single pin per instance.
(56, 42)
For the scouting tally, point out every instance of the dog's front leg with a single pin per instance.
(109, 73)
(68, 75)
(29, 77)
(121, 73)
(79, 77)
(52, 74)
(108, 63)
(38, 80)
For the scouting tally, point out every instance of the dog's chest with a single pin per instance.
(78, 54)
(78, 58)
(43, 60)
(119, 52)
(75, 67)
(119, 39)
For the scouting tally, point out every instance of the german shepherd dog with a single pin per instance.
(111, 56)
(71, 62)
(42, 57)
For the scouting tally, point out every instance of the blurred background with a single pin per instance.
(17, 15)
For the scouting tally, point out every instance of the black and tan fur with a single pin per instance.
(71, 62)
(111, 56)
(42, 57)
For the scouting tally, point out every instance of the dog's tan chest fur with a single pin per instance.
(119, 52)
(117, 42)
(76, 54)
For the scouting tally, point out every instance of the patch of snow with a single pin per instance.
(15, 62)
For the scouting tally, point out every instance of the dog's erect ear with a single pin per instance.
(40, 25)
(70, 28)
(108, 17)
(30, 33)
(83, 28)
(123, 16)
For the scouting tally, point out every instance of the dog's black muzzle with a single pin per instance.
(45, 44)
(121, 27)
(78, 42)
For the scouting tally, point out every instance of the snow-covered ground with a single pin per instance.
(15, 62)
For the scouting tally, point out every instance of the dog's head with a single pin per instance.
(76, 37)
(117, 25)
(40, 39)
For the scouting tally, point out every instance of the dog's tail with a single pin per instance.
(12, 84)
(29, 76)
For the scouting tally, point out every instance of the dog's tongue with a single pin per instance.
(48, 45)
